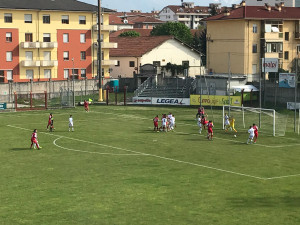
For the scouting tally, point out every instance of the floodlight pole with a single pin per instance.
(296, 84)
(229, 80)
(200, 81)
(99, 60)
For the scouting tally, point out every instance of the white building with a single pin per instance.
(287, 3)
(133, 52)
(187, 13)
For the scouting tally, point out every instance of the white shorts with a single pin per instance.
(70, 124)
(200, 125)
(227, 122)
(251, 137)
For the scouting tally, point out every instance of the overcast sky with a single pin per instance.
(149, 5)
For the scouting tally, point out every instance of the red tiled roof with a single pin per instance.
(143, 32)
(259, 12)
(144, 19)
(136, 46)
(196, 9)
(115, 20)
(121, 14)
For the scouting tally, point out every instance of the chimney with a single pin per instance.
(243, 3)
(227, 12)
(268, 7)
(281, 4)
(278, 7)
(234, 6)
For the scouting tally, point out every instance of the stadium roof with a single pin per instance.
(58, 5)
(259, 13)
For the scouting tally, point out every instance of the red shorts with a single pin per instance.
(256, 134)
(155, 124)
(34, 141)
(209, 130)
(49, 122)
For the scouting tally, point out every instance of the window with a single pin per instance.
(254, 48)
(254, 28)
(29, 56)
(118, 63)
(131, 63)
(9, 75)
(46, 37)
(28, 37)
(8, 37)
(29, 74)
(46, 19)
(298, 49)
(156, 63)
(66, 56)
(82, 38)
(286, 36)
(65, 19)
(254, 68)
(83, 55)
(186, 63)
(65, 38)
(83, 72)
(28, 18)
(9, 56)
(66, 73)
(274, 47)
(7, 18)
(47, 73)
(47, 56)
(82, 20)
(286, 55)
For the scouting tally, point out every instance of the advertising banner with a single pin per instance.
(216, 100)
(291, 105)
(142, 100)
(270, 64)
(170, 101)
(287, 80)
(2, 106)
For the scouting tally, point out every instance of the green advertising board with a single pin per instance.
(2, 106)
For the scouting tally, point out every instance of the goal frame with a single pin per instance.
(258, 109)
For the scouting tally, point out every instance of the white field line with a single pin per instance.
(74, 150)
(145, 154)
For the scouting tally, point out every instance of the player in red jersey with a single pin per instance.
(255, 132)
(86, 105)
(34, 141)
(49, 120)
(210, 132)
(204, 121)
(155, 122)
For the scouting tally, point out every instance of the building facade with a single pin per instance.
(42, 40)
(287, 3)
(238, 40)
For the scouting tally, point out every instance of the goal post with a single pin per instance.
(268, 120)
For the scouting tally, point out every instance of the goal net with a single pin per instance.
(268, 120)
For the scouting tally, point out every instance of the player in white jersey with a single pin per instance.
(164, 123)
(226, 122)
(71, 125)
(251, 135)
(199, 124)
(172, 122)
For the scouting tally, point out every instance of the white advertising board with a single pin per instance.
(270, 64)
(170, 101)
(142, 100)
(291, 105)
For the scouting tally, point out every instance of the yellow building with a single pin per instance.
(42, 40)
(238, 39)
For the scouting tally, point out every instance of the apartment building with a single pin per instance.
(51, 39)
(238, 39)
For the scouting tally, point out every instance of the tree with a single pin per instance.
(132, 33)
(175, 69)
(213, 10)
(199, 43)
(178, 30)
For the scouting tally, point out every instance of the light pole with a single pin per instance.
(99, 60)
(296, 84)
(73, 81)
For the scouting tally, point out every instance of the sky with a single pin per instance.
(149, 5)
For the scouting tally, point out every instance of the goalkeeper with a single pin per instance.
(231, 124)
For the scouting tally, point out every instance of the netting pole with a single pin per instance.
(30, 100)
(298, 121)
(46, 100)
(125, 90)
(107, 94)
(116, 95)
(243, 115)
(16, 101)
(274, 124)
(223, 118)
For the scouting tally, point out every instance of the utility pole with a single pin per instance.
(99, 60)
(296, 84)
(229, 76)
(200, 81)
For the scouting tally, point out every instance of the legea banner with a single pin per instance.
(170, 101)
(270, 64)
(287, 80)
(216, 100)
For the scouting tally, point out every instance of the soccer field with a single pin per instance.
(113, 169)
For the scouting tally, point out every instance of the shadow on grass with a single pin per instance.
(265, 202)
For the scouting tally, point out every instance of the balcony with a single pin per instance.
(106, 27)
(30, 44)
(106, 45)
(49, 63)
(273, 36)
(274, 55)
(106, 62)
(184, 19)
(48, 45)
(30, 63)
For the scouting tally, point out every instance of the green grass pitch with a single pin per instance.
(115, 170)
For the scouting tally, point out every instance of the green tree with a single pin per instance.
(178, 30)
(199, 43)
(213, 10)
(132, 33)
